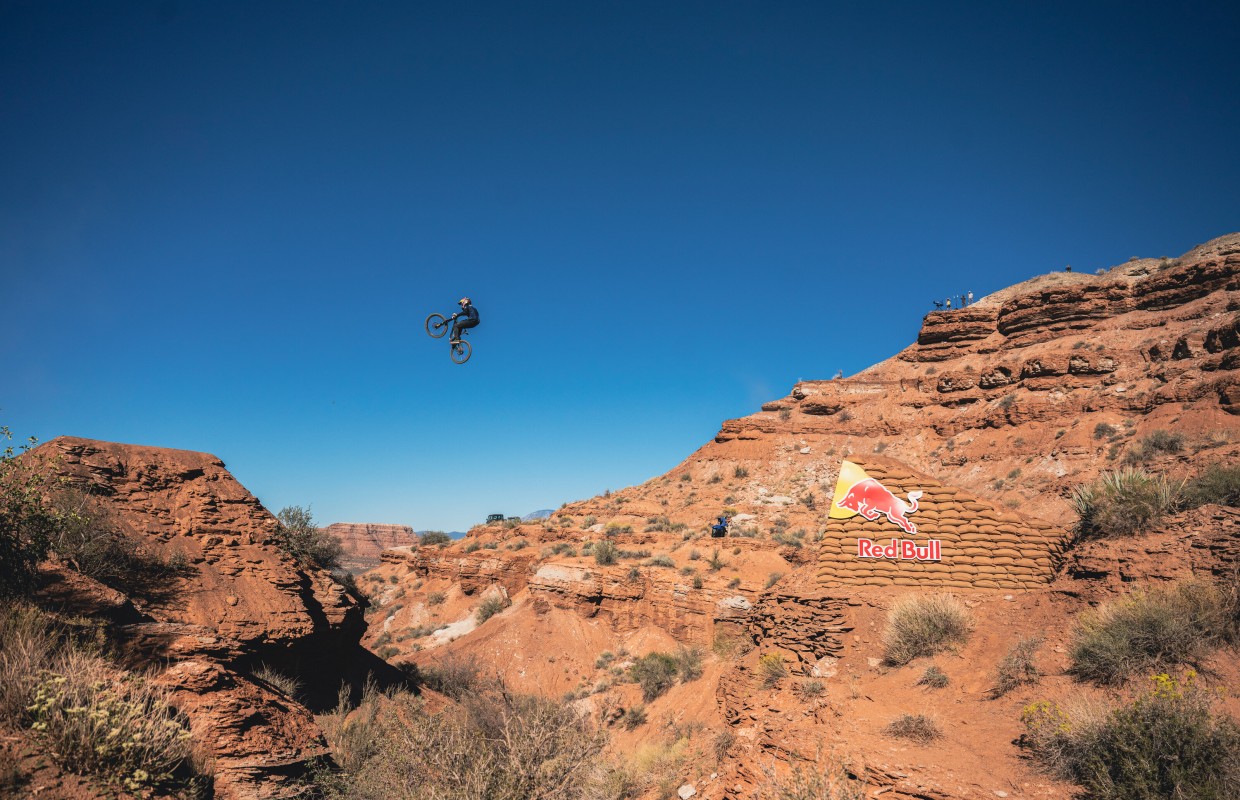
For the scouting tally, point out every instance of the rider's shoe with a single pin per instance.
(454, 341)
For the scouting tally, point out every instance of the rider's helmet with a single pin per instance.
(464, 301)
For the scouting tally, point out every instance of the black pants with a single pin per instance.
(462, 324)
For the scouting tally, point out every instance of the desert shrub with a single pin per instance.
(435, 598)
(1152, 630)
(658, 523)
(688, 663)
(933, 677)
(821, 780)
(455, 676)
(1018, 667)
(740, 472)
(605, 553)
(662, 560)
(810, 688)
(1167, 743)
(771, 669)
(697, 582)
(27, 520)
(734, 583)
(102, 721)
(634, 718)
(434, 537)
(288, 685)
(1218, 483)
(914, 727)
(589, 521)
(723, 743)
(716, 563)
(298, 536)
(471, 546)
(614, 528)
(785, 414)
(655, 673)
(773, 579)
(604, 659)
(94, 717)
(1123, 503)
(694, 555)
(89, 540)
(490, 606)
(1104, 430)
(726, 645)
(495, 745)
(1161, 441)
(686, 477)
(922, 625)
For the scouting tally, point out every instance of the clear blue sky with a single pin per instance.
(222, 225)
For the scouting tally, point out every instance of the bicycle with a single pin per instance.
(437, 325)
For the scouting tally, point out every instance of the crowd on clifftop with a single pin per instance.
(962, 300)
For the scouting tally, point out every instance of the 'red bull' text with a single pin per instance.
(901, 549)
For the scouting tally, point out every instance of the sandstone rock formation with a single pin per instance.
(363, 542)
(240, 603)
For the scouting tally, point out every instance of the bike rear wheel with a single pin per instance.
(461, 351)
(436, 325)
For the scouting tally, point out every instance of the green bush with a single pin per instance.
(662, 560)
(27, 520)
(1018, 667)
(1218, 483)
(1105, 430)
(1165, 744)
(434, 537)
(634, 718)
(298, 536)
(1124, 503)
(1152, 630)
(655, 673)
(490, 606)
(605, 553)
(922, 625)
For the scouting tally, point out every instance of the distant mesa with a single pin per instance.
(364, 541)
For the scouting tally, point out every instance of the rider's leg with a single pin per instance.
(456, 333)
(460, 327)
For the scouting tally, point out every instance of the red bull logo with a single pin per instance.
(869, 498)
(901, 549)
(858, 493)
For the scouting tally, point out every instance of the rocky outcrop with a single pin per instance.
(364, 542)
(186, 504)
(238, 604)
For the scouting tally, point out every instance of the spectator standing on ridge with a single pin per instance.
(969, 298)
(949, 304)
(467, 317)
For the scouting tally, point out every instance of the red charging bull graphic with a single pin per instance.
(869, 498)
(858, 493)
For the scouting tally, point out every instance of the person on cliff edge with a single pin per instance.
(467, 317)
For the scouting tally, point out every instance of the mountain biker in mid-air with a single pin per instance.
(467, 317)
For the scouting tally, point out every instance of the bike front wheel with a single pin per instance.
(436, 326)
(461, 351)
